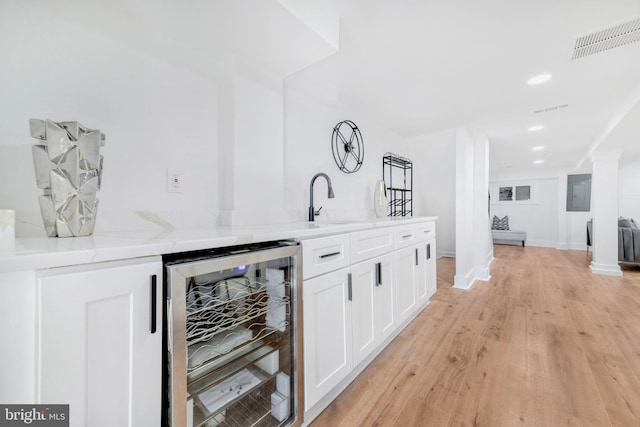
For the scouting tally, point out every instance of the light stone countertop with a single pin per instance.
(43, 252)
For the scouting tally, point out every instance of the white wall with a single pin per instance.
(310, 115)
(434, 158)
(538, 217)
(565, 230)
(161, 104)
(248, 143)
(154, 114)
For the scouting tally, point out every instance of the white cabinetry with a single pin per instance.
(425, 271)
(18, 337)
(385, 313)
(101, 342)
(327, 315)
(416, 279)
(349, 312)
(431, 273)
(358, 289)
(327, 334)
(422, 285)
(408, 265)
(373, 304)
(426, 275)
(363, 295)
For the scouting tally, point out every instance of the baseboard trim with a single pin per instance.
(483, 274)
(606, 269)
(463, 282)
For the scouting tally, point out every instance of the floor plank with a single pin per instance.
(543, 343)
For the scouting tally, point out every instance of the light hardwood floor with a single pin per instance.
(543, 343)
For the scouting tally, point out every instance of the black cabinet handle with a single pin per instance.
(331, 254)
(378, 274)
(428, 250)
(349, 295)
(416, 256)
(154, 294)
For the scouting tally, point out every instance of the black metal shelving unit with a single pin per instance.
(397, 173)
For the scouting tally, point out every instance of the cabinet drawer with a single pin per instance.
(425, 231)
(324, 254)
(371, 243)
(406, 236)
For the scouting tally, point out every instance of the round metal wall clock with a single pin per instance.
(347, 146)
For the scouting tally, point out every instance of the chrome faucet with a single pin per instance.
(312, 212)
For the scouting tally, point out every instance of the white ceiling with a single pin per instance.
(424, 66)
(417, 66)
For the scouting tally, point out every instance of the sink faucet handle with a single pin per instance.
(317, 213)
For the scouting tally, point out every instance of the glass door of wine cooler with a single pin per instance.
(231, 341)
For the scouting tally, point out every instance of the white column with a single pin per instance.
(251, 149)
(604, 206)
(226, 147)
(474, 250)
(465, 272)
(483, 245)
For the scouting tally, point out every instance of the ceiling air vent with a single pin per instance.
(552, 108)
(609, 38)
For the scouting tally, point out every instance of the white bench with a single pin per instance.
(509, 236)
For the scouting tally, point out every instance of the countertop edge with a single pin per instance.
(43, 253)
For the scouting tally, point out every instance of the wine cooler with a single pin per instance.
(231, 353)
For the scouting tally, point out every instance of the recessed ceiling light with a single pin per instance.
(538, 148)
(535, 128)
(536, 80)
(537, 162)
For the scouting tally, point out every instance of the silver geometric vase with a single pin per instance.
(68, 168)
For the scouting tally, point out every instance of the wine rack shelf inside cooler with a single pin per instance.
(226, 315)
(248, 405)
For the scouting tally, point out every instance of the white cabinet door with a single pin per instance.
(98, 352)
(406, 262)
(372, 304)
(327, 329)
(432, 279)
(422, 285)
(385, 314)
(363, 276)
(18, 335)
